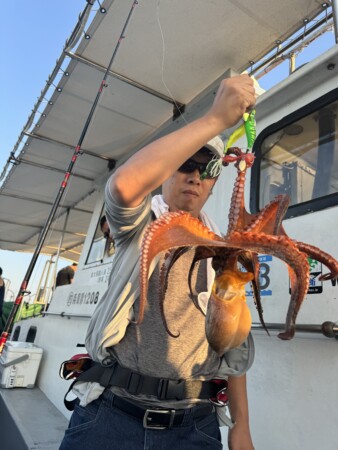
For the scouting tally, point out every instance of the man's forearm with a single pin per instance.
(238, 399)
(152, 165)
(239, 437)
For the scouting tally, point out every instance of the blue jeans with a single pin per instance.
(102, 426)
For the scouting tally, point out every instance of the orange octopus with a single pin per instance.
(228, 318)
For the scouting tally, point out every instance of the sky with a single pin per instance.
(33, 35)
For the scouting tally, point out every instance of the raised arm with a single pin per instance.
(152, 165)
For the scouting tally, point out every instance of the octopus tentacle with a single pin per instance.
(250, 262)
(170, 258)
(271, 216)
(291, 314)
(321, 256)
(200, 253)
(172, 230)
(238, 216)
(283, 248)
(194, 295)
(280, 246)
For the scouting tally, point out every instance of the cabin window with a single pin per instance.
(16, 333)
(298, 156)
(31, 335)
(102, 245)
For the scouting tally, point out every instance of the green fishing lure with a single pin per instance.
(248, 128)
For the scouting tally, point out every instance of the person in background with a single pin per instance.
(155, 389)
(105, 227)
(110, 243)
(66, 275)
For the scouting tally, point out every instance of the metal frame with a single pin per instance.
(299, 209)
(292, 42)
(328, 329)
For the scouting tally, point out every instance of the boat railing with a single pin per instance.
(67, 315)
(328, 329)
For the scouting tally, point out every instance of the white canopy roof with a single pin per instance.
(174, 52)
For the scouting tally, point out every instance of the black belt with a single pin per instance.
(161, 418)
(136, 384)
(162, 388)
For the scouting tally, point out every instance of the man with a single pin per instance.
(66, 275)
(155, 397)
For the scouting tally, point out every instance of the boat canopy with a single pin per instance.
(170, 60)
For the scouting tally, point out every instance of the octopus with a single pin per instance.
(234, 259)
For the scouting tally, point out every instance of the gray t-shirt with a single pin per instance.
(149, 349)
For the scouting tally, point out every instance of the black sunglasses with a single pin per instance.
(190, 166)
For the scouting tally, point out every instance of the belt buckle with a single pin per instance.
(146, 418)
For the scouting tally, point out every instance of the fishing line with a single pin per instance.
(62, 189)
(163, 59)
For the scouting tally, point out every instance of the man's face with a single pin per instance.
(186, 191)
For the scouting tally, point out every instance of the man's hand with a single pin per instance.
(239, 438)
(234, 97)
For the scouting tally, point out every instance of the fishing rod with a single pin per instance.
(77, 152)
